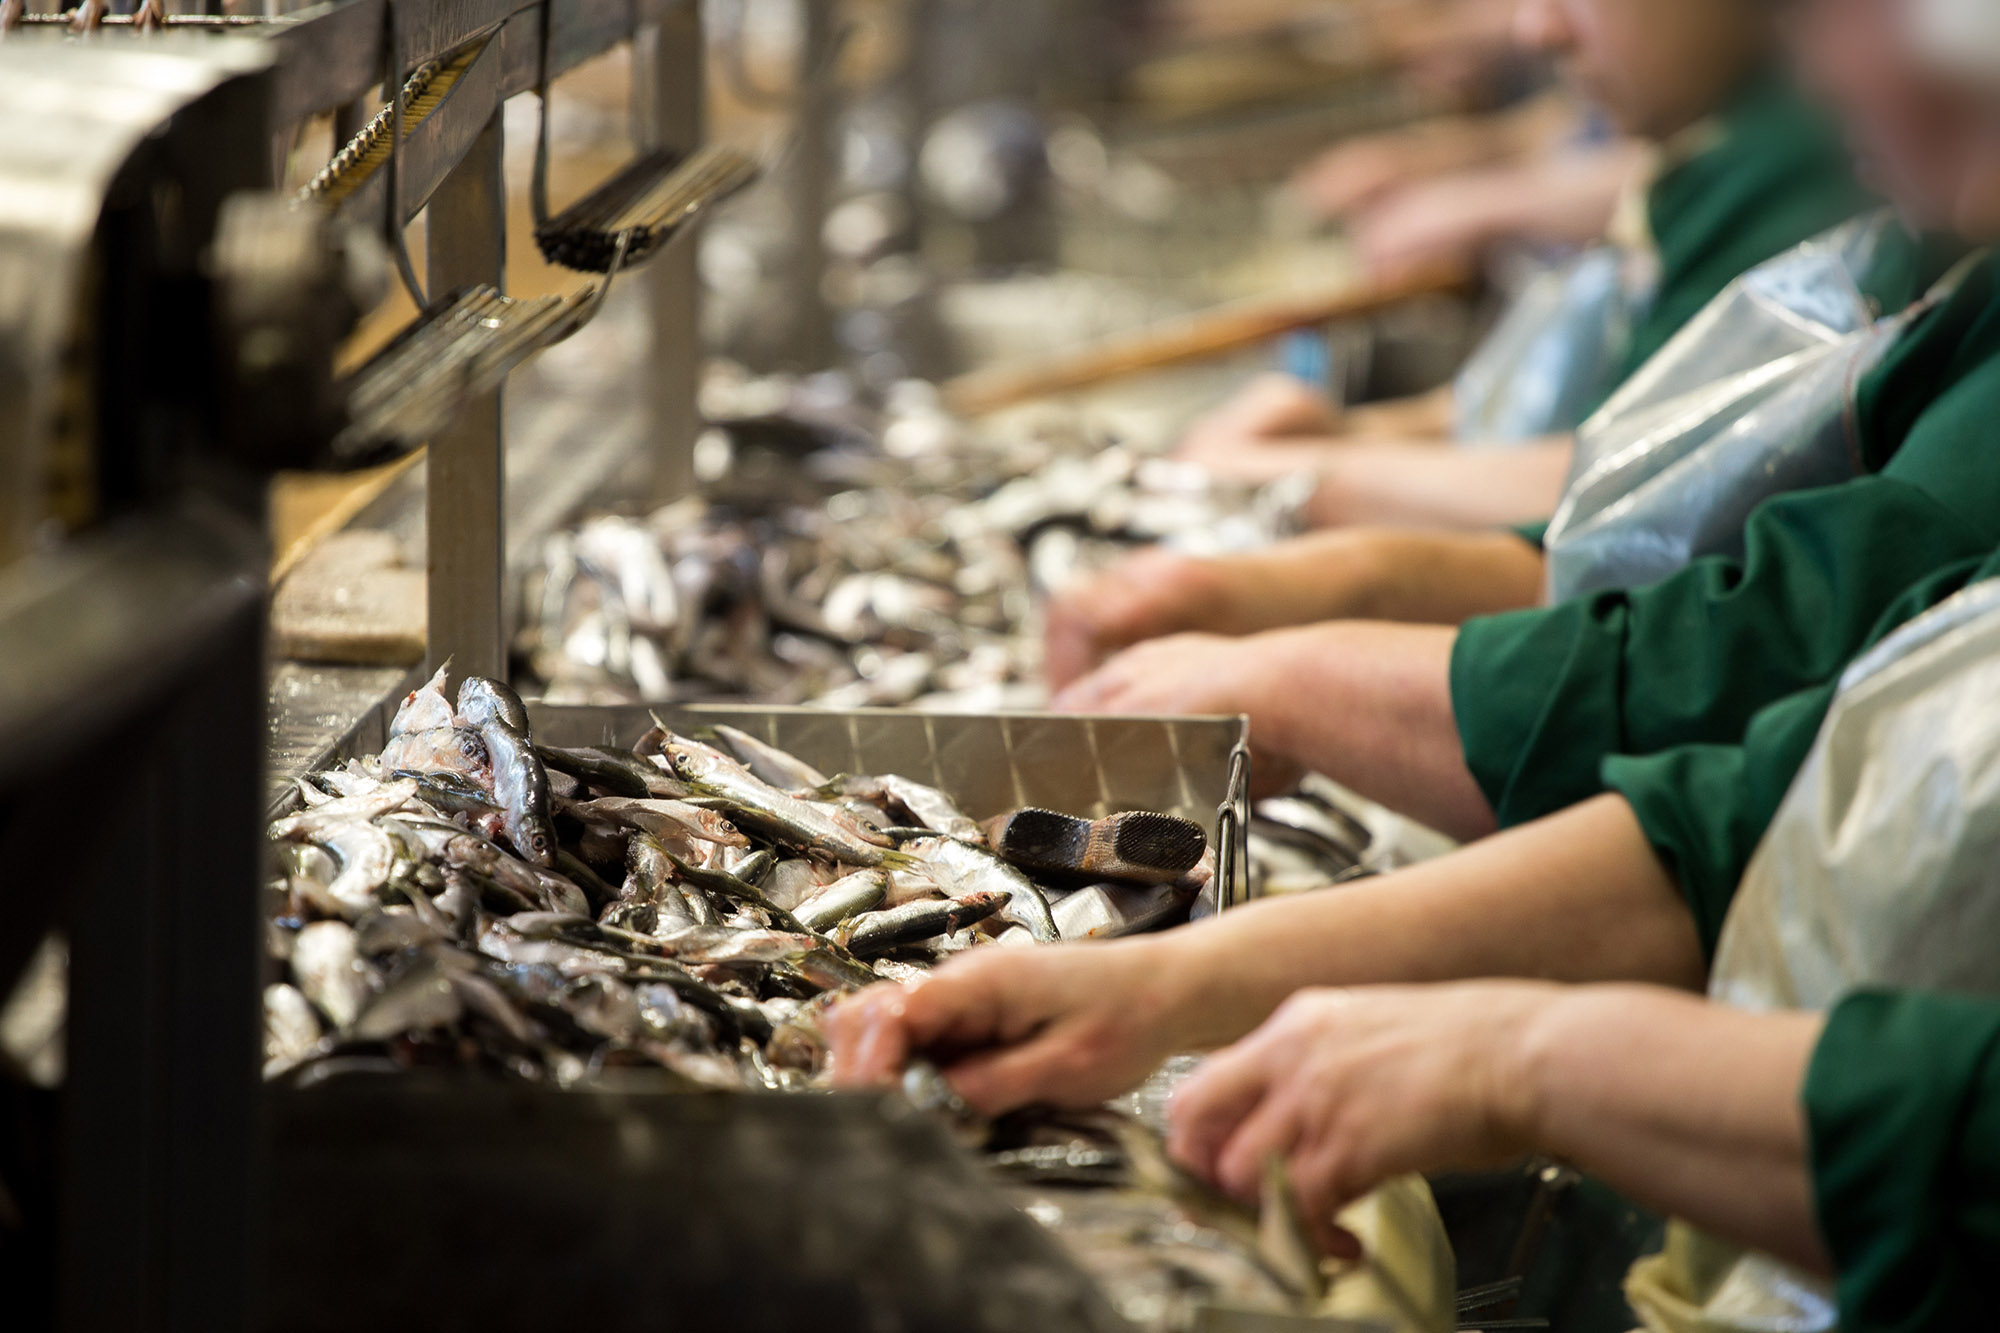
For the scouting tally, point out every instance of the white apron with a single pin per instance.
(1557, 351)
(1881, 869)
(1752, 399)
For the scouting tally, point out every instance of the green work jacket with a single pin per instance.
(1774, 175)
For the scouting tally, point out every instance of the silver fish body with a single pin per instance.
(874, 933)
(521, 786)
(858, 893)
(291, 1029)
(327, 963)
(932, 809)
(960, 868)
(418, 999)
(458, 751)
(768, 763)
(659, 817)
(784, 816)
(386, 799)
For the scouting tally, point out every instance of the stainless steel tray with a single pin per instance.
(627, 1206)
(1197, 768)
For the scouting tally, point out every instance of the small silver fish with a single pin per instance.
(330, 971)
(291, 1029)
(858, 893)
(482, 701)
(668, 817)
(770, 764)
(932, 809)
(521, 787)
(306, 824)
(874, 933)
(960, 868)
(457, 751)
(753, 801)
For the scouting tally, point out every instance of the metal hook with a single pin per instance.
(595, 301)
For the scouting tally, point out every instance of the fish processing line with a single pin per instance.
(168, 331)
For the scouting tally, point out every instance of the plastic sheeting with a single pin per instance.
(1557, 351)
(1881, 868)
(1748, 401)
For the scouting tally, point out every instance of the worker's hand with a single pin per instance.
(1188, 675)
(1152, 593)
(1350, 177)
(1177, 676)
(1271, 408)
(1450, 221)
(1069, 1025)
(1354, 1088)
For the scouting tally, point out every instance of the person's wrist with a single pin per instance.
(1526, 1061)
(1175, 978)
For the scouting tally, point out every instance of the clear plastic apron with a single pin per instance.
(1750, 400)
(1557, 351)
(1881, 869)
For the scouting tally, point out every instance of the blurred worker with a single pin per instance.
(1855, 1143)
(1907, 133)
(1738, 171)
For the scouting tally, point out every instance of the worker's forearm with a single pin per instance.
(1416, 485)
(1579, 897)
(1391, 574)
(1424, 419)
(1369, 705)
(1688, 1107)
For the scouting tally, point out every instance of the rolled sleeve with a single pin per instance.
(1902, 1101)
(1704, 808)
(1543, 697)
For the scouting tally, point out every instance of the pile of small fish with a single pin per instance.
(471, 896)
(855, 560)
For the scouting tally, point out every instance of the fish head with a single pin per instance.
(538, 842)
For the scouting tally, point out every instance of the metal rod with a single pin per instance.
(808, 187)
(466, 232)
(669, 106)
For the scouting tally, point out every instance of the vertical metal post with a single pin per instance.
(808, 185)
(466, 243)
(670, 107)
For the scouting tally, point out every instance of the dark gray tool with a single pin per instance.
(1137, 848)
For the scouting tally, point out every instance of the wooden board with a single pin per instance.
(351, 599)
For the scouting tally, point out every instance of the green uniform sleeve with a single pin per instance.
(1903, 1104)
(1542, 697)
(1705, 807)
